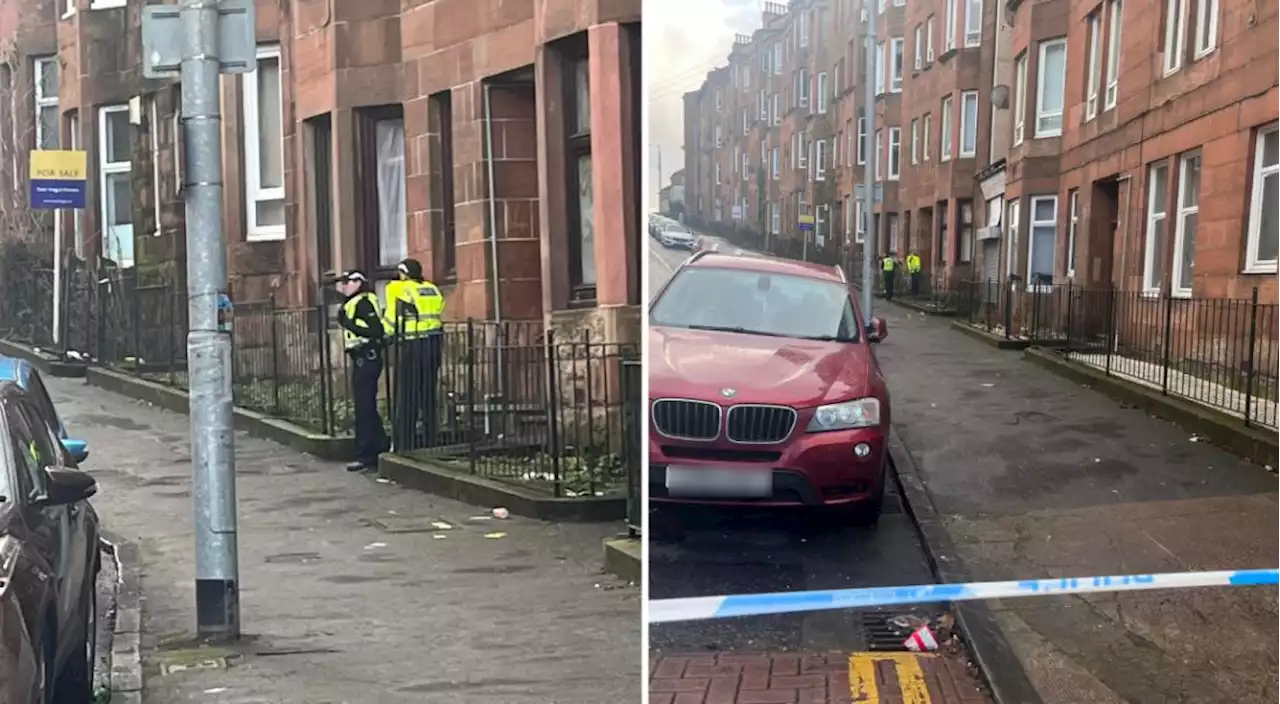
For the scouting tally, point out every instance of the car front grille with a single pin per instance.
(683, 419)
(760, 424)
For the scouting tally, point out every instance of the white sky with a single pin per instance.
(683, 39)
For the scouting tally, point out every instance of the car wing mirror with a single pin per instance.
(67, 486)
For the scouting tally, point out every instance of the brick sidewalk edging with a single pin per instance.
(816, 678)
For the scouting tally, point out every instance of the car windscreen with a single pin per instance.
(753, 302)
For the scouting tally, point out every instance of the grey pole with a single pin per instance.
(869, 174)
(208, 343)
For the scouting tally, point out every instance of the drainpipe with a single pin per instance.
(493, 225)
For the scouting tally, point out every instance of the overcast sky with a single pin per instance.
(683, 40)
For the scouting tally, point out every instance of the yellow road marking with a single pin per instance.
(864, 689)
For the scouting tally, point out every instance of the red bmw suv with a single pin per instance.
(764, 389)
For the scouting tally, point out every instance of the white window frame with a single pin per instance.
(861, 151)
(894, 156)
(1073, 224)
(1042, 115)
(1020, 99)
(155, 163)
(719, 137)
(1094, 67)
(1150, 284)
(915, 141)
(717, 165)
(1180, 288)
(820, 160)
(763, 100)
(897, 63)
(928, 40)
(799, 153)
(1175, 33)
(77, 215)
(1031, 238)
(927, 128)
(1115, 12)
(746, 122)
(949, 38)
(879, 158)
(38, 67)
(970, 150)
(804, 28)
(801, 86)
(1013, 211)
(105, 169)
(880, 68)
(1254, 265)
(822, 93)
(719, 101)
(68, 9)
(777, 58)
(1207, 13)
(775, 109)
(944, 139)
(254, 193)
(775, 218)
(972, 23)
(859, 221)
(775, 167)
(918, 46)
(106, 4)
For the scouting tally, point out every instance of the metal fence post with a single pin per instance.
(275, 355)
(1070, 309)
(554, 415)
(1251, 362)
(1168, 343)
(1112, 325)
(471, 396)
(591, 416)
(326, 369)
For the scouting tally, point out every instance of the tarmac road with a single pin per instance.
(706, 552)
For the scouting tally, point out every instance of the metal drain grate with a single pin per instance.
(880, 635)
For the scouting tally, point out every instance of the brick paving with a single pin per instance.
(819, 678)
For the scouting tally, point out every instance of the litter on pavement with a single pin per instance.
(921, 640)
(495, 536)
(500, 512)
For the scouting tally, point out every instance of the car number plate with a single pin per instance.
(719, 482)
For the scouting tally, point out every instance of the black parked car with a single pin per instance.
(48, 561)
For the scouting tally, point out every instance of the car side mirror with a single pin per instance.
(67, 486)
(78, 449)
(877, 330)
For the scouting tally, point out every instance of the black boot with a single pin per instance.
(359, 466)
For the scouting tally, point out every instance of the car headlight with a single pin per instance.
(862, 413)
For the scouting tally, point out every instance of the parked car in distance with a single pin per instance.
(676, 236)
(764, 389)
(27, 376)
(49, 561)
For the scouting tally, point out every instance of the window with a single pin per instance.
(1175, 29)
(115, 192)
(1157, 214)
(1115, 12)
(746, 122)
(801, 87)
(763, 100)
(1073, 221)
(928, 129)
(965, 242)
(1011, 239)
(928, 40)
(1051, 87)
(1206, 27)
(895, 153)
(719, 101)
(821, 224)
(862, 141)
(919, 48)
(68, 8)
(915, 141)
(1020, 99)
(105, 4)
(881, 5)
(1094, 23)
(972, 23)
(1184, 235)
(820, 157)
(879, 68)
(945, 138)
(745, 166)
(860, 221)
(719, 138)
(46, 103)
(879, 155)
(582, 204)
(949, 29)
(848, 216)
(1044, 229)
(897, 47)
(968, 123)
(717, 174)
(393, 216)
(443, 216)
(777, 114)
(804, 28)
(822, 93)
(777, 58)
(775, 218)
(774, 165)
(1264, 230)
(799, 151)
(264, 148)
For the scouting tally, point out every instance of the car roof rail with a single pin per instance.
(840, 271)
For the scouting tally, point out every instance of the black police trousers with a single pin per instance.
(371, 437)
(417, 375)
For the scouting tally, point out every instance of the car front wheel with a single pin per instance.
(75, 682)
(866, 514)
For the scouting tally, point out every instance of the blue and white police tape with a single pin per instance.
(709, 607)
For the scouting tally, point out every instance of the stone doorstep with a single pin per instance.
(815, 678)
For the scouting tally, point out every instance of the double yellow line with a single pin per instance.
(864, 688)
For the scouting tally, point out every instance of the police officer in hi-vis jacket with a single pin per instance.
(364, 335)
(414, 308)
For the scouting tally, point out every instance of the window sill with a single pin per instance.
(1039, 288)
(945, 56)
(1200, 54)
(68, 14)
(1260, 268)
(968, 155)
(1151, 293)
(1184, 293)
(266, 235)
(1049, 135)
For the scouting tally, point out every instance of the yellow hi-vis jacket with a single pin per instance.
(414, 308)
(888, 263)
(913, 263)
(350, 340)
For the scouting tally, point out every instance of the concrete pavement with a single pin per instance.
(1037, 477)
(349, 594)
